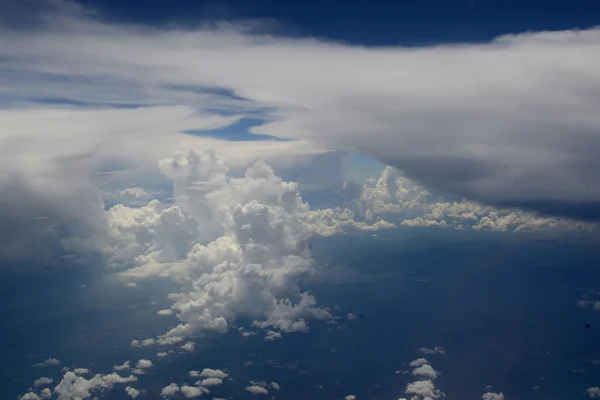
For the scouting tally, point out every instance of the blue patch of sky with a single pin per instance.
(371, 22)
(237, 132)
(361, 167)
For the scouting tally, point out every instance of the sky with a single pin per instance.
(182, 179)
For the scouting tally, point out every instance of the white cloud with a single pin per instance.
(162, 354)
(424, 388)
(80, 371)
(435, 350)
(169, 391)
(30, 396)
(73, 387)
(144, 364)
(594, 392)
(246, 261)
(131, 284)
(492, 396)
(211, 373)
(418, 362)
(132, 392)
(123, 367)
(189, 346)
(440, 97)
(191, 391)
(47, 362)
(351, 317)
(165, 312)
(425, 371)
(272, 335)
(136, 192)
(350, 397)
(592, 305)
(143, 343)
(255, 389)
(42, 381)
(275, 386)
(211, 382)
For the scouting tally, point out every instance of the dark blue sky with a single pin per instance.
(372, 22)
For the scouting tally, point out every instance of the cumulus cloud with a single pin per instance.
(132, 392)
(211, 382)
(255, 389)
(418, 362)
(189, 346)
(211, 373)
(47, 362)
(492, 396)
(425, 371)
(423, 388)
(42, 381)
(247, 260)
(594, 392)
(350, 397)
(80, 371)
(143, 343)
(144, 364)
(275, 386)
(165, 312)
(123, 367)
(170, 390)
(272, 335)
(191, 392)
(73, 387)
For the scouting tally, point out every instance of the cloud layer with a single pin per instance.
(512, 122)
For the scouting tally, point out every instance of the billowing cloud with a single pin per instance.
(424, 388)
(80, 371)
(73, 387)
(132, 392)
(170, 390)
(425, 371)
(123, 367)
(42, 381)
(211, 373)
(594, 392)
(144, 364)
(247, 259)
(211, 382)
(189, 346)
(255, 389)
(191, 392)
(418, 362)
(492, 396)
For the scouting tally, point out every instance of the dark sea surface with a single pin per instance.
(503, 306)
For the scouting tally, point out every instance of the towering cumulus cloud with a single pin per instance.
(237, 245)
